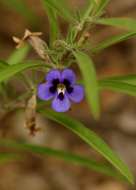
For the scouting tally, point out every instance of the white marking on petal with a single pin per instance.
(61, 89)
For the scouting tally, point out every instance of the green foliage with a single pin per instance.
(118, 86)
(66, 156)
(91, 139)
(125, 23)
(53, 21)
(112, 41)
(12, 70)
(60, 8)
(87, 13)
(125, 84)
(6, 157)
(3, 64)
(18, 55)
(86, 66)
(59, 54)
(74, 31)
(131, 78)
(101, 6)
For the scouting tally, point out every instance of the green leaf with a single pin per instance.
(66, 156)
(53, 22)
(21, 7)
(89, 76)
(18, 55)
(126, 23)
(71, 35)
(84, 16)
(85, 12)
(123, 84)
(113, 40)
(12, 70)
(91, 139)
(88, 11)
(131, 78)
(94, 3)
(97, 6)
(101, 6)
(6, 157)
(60, 8)
(118, 86)
(3, 64)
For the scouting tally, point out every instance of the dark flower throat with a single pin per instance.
(66, 83)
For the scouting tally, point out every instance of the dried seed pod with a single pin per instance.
(30, 116)
(18, 41)
(36, 42)
(39, 46)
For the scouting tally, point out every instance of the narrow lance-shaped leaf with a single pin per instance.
(6, 157)
(18, 55)
(12, 70)
(118, 86)
(101, 6)
(53, 22)
(66, 156)
(74, 32)
(85, 12)
(95, 3)
(130, 78)
(91, 139)
(88, 11)
(85, 15)
(126, 23)
(60, 8)
(113, 40)
(3, 64)
(89, 76)
(123, 84)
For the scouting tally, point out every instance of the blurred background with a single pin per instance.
(118, 119)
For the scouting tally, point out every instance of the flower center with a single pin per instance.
(61, 91)
(61, 96)
(68, 86)
(53, 88)
(61, 88)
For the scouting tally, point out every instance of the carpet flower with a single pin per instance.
(61, 87)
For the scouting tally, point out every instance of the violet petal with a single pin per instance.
(77, 94)
(69, 75)
(52, 75)
(61, 105)
(44, 92)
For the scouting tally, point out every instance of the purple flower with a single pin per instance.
(60, 86)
